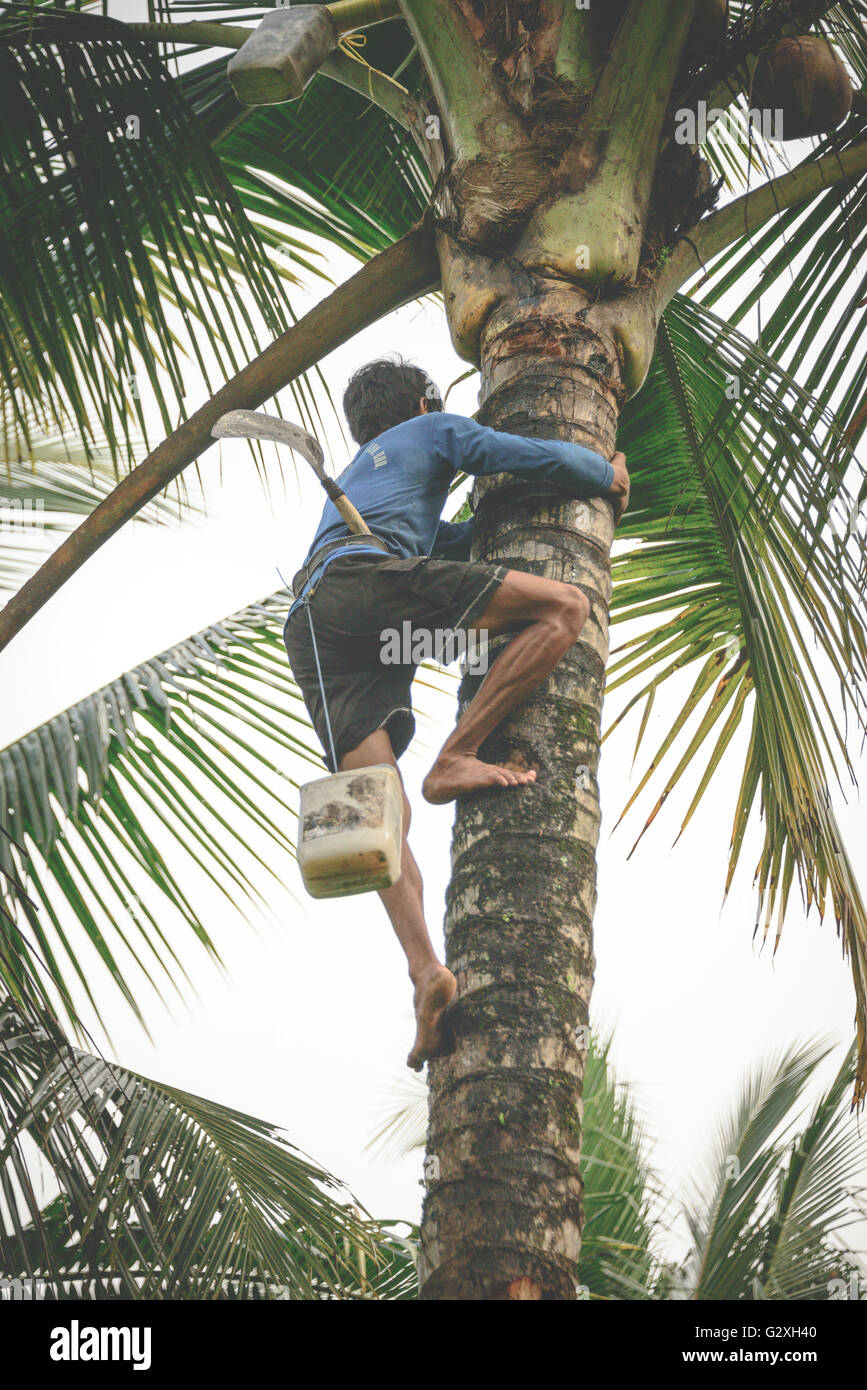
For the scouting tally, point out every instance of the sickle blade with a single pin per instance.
(253, 424)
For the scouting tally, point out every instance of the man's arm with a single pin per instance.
(473, 448)
(453, 540)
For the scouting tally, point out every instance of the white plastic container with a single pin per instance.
(350, 831)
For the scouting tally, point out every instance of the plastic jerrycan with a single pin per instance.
(350, 831)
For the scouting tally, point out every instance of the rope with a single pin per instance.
(350, 44)
(306, 602)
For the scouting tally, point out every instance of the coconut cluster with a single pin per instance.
(801, 76)
(805, 78)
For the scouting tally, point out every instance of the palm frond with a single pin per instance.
(164, 1194)
(845, 25)
(617, 1259)
(199, 748)
(814, 1200)
(725, 1212)
(404, 1129)
(332, 164)
(45, 491)
(802, 280)
(120, 230)
(766, 1219)
(738, 571)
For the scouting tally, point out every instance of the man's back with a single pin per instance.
(399, 481)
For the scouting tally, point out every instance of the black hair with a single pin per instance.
(385, 393)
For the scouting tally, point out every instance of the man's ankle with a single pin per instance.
(448, 753)
(419, 972)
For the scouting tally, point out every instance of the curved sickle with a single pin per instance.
(255, 424)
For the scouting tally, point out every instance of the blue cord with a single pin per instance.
(305, 602)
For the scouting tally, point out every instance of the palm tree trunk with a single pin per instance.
(502, 1213)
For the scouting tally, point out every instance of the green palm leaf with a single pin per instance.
(620, 1190)
(725, 1214)
(736, 557)
(43, 495)
(763, 1214)
(332, 164)
(802, 278)
(96, 802)
(164, 1194)
(814, 1198)
(121, 211)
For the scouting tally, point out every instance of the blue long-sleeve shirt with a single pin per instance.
(400, 480)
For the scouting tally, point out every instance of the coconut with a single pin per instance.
(806, 79)
(707, 31)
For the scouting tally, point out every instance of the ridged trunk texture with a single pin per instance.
(502, 1214)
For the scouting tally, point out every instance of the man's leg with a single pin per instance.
(547, 617)
(434, 984)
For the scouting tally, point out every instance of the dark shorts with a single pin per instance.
(358, 600)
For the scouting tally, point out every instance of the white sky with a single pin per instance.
(310, 1023)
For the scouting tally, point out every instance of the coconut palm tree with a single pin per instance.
(768, 1216)
(626, 1209)
(559, 173)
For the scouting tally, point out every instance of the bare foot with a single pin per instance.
(433, 993)
(454, 775)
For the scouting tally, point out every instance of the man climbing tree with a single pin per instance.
(349, 595)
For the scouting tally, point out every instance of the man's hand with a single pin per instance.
(619, 489)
